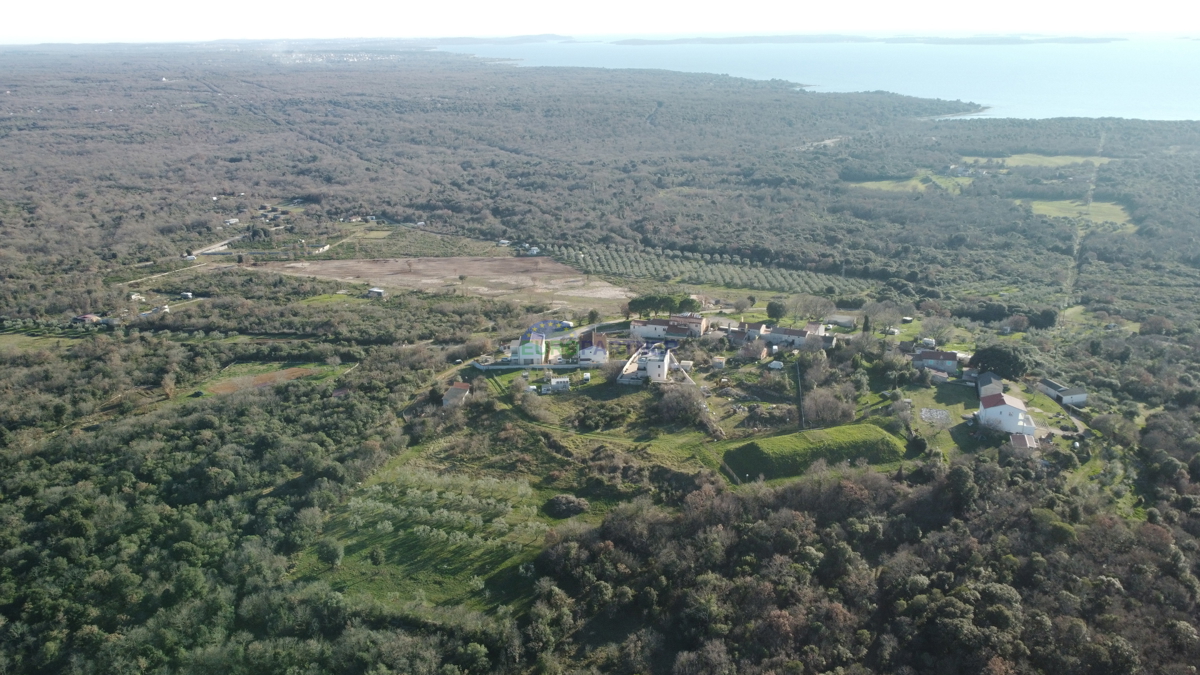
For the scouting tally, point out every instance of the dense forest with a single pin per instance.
(162, 510)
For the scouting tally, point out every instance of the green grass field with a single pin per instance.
(26, 342)
(1040, 160)
(405, 242)
(1099, 212)
(921, 182)
(249, 375)
(354, 297)
(955, 399)
(792, 454)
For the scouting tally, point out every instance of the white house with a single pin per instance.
(593, 356)
(654, 329)
(657, 366)
(528, 353)
(1002, 412)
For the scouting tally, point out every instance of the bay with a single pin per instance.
(1139, 78)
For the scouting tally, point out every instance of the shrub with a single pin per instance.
(330, 552)
(565, 506)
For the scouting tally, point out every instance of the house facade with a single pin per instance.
(1002, 412)
(782, 337)
(648, 330)
(531, 352)
(676, 326)
(947, 362)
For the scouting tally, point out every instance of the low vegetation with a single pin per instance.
(792, 454)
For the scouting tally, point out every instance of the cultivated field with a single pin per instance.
(1099, 212)
(922, 181)
(524, 279)
(1028, 159)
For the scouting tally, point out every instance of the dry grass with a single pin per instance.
(260, 380)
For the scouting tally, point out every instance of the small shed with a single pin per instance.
(558, 384)
(587, 377)
(376, 293)
(718, 363)
(186, 295)
(775, 365)
(456, 394)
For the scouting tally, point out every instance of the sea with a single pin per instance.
(1138, 78)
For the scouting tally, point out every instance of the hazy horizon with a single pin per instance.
(679, 37)
(140, 21)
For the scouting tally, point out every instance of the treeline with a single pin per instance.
(983, 566)
(160, 541)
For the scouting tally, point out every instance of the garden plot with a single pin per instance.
(935, 416)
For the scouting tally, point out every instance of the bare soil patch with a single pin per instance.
(262, 380)
(403, 271)
(523, 277)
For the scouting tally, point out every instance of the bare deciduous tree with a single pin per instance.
(823, 408)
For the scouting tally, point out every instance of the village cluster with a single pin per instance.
(648, 351)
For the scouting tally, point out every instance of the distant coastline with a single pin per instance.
(828, 39)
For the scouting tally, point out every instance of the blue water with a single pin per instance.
(1156, 79)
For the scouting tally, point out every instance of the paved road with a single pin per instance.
(218, 246)
(155, 276)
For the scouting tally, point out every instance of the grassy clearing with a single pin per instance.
(791, 454)
(405, 242)
(26, 342)
(921, 182)
(957, 400)
(1039, 160)
(250, 375)
(1098, 212)
(347, 299)
(1051, 415)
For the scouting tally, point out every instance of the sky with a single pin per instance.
(30, 21)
